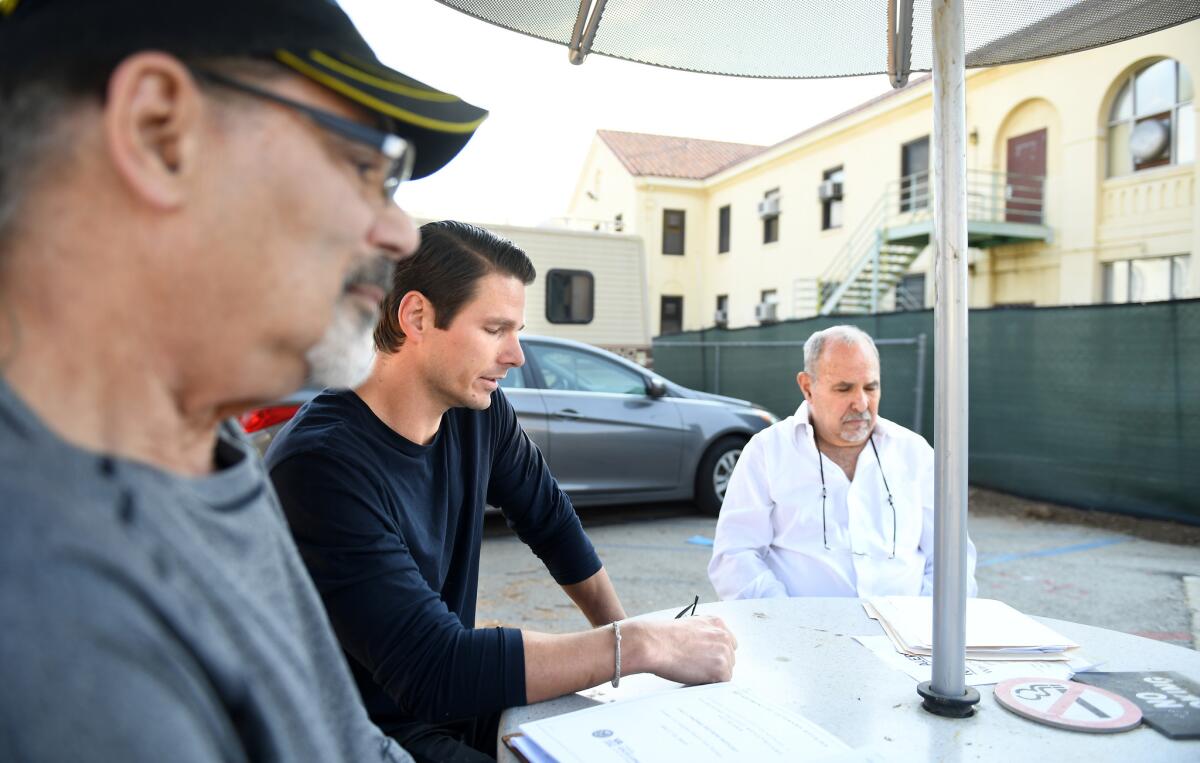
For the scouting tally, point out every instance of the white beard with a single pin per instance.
(343, 357)
(857, 434)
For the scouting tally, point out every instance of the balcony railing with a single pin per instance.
(899, 223)
(991, 197)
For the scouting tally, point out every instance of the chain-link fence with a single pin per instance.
(1095, 406)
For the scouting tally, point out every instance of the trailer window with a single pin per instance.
(570, 296)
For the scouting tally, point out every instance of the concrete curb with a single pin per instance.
(1191, 596)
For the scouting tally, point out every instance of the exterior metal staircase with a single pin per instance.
(1002, 209)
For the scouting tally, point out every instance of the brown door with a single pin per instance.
(1026, 176)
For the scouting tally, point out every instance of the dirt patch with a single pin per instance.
(991, 503)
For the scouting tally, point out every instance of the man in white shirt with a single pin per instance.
(834, 500)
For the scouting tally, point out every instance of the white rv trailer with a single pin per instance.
(590, 287)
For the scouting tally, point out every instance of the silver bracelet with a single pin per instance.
(616, 681)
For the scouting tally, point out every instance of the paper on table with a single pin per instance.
(977, 672)
(718, 722)
(971, 654)
(992, 626)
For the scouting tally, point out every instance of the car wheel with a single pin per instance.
(712, 478)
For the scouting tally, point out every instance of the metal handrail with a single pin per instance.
(864, 235)
(991, 197)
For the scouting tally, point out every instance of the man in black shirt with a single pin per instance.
(385, 486)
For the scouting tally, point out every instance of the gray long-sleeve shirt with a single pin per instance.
(148, 617)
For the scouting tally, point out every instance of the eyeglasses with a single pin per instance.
(397, 152)
(888, 490)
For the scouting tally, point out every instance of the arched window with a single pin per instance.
(1152, 122)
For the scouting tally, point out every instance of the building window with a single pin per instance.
(570, 296)
(1149, 279)
(768, 210)
(670, 315)
(1152, 122)
(914, 175)
(910, 292)
(723, 230)
(673, 222)
(721, 316)
(831, 198)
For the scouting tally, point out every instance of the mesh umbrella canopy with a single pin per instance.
(805, 39)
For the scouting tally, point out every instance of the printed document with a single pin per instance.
(718, 722)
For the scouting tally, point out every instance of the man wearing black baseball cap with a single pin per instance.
(191, 195)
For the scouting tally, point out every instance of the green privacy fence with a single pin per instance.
(1096, 406)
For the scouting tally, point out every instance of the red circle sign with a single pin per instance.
(1068, 705)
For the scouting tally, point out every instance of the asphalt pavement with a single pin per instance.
(1124, 576)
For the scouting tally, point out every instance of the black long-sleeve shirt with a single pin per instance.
(391, 532)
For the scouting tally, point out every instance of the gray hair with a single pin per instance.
(36, 131)
(31, 132)
(844, 334)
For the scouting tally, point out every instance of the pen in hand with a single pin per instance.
(690, 609)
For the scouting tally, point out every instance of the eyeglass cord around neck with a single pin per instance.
(891, 503)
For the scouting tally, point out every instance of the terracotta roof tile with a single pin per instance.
(673, 157)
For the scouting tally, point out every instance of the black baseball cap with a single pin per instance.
(315, 38)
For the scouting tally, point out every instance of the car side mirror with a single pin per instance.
(656, 387)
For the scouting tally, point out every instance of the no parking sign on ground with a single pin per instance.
(1068, 705)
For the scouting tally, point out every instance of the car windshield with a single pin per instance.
(569, 369)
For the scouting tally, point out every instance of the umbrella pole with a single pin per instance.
(947, 694)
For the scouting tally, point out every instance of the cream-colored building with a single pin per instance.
(1081, 189)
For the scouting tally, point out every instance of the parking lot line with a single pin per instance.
(648, 547)
(1001, 558)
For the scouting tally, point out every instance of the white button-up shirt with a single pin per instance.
(769, 541)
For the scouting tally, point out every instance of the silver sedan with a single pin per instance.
(614, 432)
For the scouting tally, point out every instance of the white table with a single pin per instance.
(800, 653)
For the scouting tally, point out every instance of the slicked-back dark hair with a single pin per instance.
(446, 269)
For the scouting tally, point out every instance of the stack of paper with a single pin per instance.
(995, 631)
(975, 672)
(1001, 642)
(719, 722)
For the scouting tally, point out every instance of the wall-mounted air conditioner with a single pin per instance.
(766, 312)
(830, 190)
(769, 207)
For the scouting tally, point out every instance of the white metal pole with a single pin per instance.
(947, 693)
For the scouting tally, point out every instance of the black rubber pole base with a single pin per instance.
(948, 707)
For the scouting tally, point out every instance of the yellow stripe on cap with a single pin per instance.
(8, 6)
(378, 82)
(378, 69)
(371, 102)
